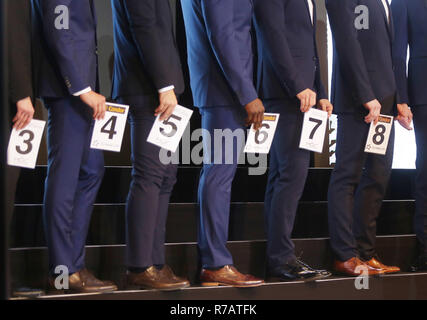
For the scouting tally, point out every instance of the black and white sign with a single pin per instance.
(260, 141)
(314, 130)
(168, 133)
(24, 145)
(379, 135)
(108, 132)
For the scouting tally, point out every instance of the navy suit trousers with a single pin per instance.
(420, 221)
(74, 174)
(150, 189)
(286, 179)
(216, 178)
(356, 189)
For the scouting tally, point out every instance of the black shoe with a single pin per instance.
(420, 263)
(293, 271)
(321, 272)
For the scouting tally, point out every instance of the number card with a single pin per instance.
(379, 135)
(260, 141)
(108, 132)
(24, 145)
(314, 130)
(168, 133)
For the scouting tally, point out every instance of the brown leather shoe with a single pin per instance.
(350, 266)
(152, 278)
(83, 281)
(228, 276)
(375, 263)
(167, 273)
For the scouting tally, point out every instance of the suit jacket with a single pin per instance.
(19, 51)
(220, 53)
(363, 67)
(146, 55)
(410, 19)
(288, 62)
(67, 59)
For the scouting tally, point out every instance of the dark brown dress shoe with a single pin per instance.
(84, 281)
(228, 276)
(355, 267)
(152, 278)
(377, 264)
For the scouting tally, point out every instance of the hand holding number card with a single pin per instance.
(108, 132)
(314, 130)
(379, 135)
(168, 133)
(24, 145)
(260, 141)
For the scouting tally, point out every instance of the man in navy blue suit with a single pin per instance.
(289, 83)
(67, 65)
(147, 76)
(363, 87)
(220, 58)
(411, 30)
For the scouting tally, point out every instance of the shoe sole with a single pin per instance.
(143, 287)
(222, 284)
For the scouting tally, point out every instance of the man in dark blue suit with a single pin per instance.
(147, 76)
(289, 83)
(410, 18)
(220, 59)
(68, 78)
(363, 87)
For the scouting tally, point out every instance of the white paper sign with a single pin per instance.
(314, 130)
(379, 135)
(108, 132)
(168, 133)
(24, 145)
(260, 141)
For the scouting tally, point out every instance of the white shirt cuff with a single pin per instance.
(165, 89)
(86, 90)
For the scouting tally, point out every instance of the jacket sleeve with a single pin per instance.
(146, 33)
(219, 15)
(61, 41)
(19, 50)
(400, 48)
(341, 17)
(271, 26)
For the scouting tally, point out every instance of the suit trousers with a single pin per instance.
(286, 179)
(420, 221)
(216, 177)
(356, 190)
(74, 174)
(150, 190)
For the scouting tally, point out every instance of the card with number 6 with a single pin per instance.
(260, 141)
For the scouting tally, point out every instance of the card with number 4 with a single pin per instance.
(108, 132)
(260, 141)
(24, 145)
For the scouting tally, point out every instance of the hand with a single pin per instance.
(374, 108)
(325, 105)
(404, 116)
(96, 102)
(168, 102)
(255, 110)
(24, 115)
(307, 98)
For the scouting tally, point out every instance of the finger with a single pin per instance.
(249, 120)
(20, 123)
(260, 119)
(166, 114)
(104, 110)
(160, 109)
(312, 101)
